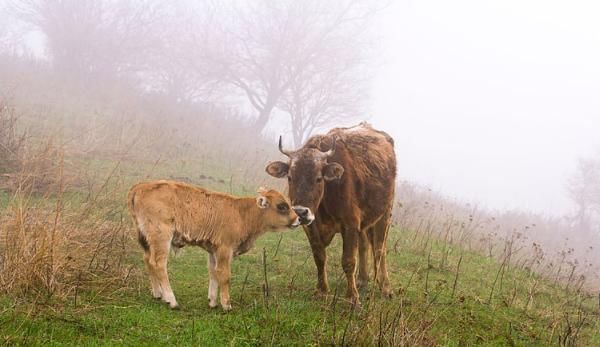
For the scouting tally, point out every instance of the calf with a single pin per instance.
(169, 213)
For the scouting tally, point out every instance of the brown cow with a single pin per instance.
(346, 178)
(169, 213)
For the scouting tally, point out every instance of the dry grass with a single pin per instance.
(56, 238)
(11, 140)
(538, 244)
(64, 234)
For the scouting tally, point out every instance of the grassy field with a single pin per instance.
(427, 309)
(445, 295)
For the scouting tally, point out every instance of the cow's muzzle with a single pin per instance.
(304, 214)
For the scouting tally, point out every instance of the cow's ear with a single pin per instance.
(277, 169)
(332, 171)
(262, 201)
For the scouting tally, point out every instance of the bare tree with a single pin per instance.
(98, 37)
(4, 27)
(332, 86)
(318, 99)
(584, 190)
(270, 47)
(183, 69)
(10, 31)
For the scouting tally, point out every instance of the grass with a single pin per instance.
(291, 315)
(4, 199)
(437, 301)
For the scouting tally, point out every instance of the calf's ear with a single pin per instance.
(277, 169)
(262, 201)
(332, 171)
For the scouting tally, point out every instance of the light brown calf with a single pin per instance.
(175, 214)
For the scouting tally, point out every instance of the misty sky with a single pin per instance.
(488, 101)
(491, 101)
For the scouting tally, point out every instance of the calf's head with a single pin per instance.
(307, 171)
(278, 215)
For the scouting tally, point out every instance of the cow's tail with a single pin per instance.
(142, 240)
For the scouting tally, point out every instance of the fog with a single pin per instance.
(491, 104)
(490, 232)
(491, 101)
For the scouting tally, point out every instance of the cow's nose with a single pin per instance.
(301, 211)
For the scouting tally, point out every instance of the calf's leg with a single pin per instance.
(213, 285)
(160, 245)
(223, 275)
(156, 292)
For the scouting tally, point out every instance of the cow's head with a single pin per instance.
(278, 214)
(307, 171)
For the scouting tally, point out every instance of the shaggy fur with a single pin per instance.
(352, 192)
(171, 214)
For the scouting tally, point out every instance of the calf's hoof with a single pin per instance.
(175, 307)
(226, 307)
(387, 293)
(212, 304)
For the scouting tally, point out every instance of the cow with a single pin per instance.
(174, 214)
(346, 180)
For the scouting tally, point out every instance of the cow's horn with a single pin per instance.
(330, 152)
(281, 149)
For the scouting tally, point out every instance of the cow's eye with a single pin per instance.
(283, 207)
(289, 178)
(319, 179)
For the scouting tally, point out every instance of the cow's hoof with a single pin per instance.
(212, 304)
(226, 307)
(362, 284)
(321, 293)
(363, 291)
(175, 307)
(355, 304)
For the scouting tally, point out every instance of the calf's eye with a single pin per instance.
(283, 207)
(319, 179)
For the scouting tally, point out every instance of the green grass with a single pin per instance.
(4, 199)
(292, 315)
(428, 307)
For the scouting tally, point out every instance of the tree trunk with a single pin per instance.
(263, 118)
(298, 137)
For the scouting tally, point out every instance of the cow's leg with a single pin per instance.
(223, 275)
(363, 261)
(156, 293)
(319, 256)
(379, 237)
(213, 285)
(350, 238)
(160, 246)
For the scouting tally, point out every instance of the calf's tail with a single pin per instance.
(131, 205)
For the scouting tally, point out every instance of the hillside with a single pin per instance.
(445, 295)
